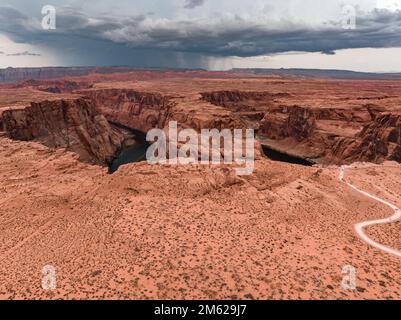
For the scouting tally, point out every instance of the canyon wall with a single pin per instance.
(296, 122)
(336, 136)
(327, 135)
(378, 141)
(141, 111)
(76, 125)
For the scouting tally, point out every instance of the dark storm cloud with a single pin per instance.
(190, 4)
(243, 38)
(79, 33)
(10, 18)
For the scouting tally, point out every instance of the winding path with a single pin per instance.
(360, 226)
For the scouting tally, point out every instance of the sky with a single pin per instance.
(361, 35)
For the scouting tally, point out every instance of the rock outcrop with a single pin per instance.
(76, 125)
(140, 111)
(321, 134)
(378, 141)
(296, 122)
(327, 135)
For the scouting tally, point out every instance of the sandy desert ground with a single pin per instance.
(195, 231)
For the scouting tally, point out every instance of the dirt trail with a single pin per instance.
(360, 226)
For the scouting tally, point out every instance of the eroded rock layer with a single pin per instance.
(330, 135)
(378, 141)
(296, 122)
(328, 123)
(136, 110)
(76, 125)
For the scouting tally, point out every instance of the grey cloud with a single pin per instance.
(11, 14)
(190, 4)
(197, 38)
(244, 38)
(25, 53)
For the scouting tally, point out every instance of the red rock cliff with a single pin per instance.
(76, 125)
(295, 122)
(137, 110)
(378, 141)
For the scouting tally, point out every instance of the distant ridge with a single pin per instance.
(321, 73)
(11, 75)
